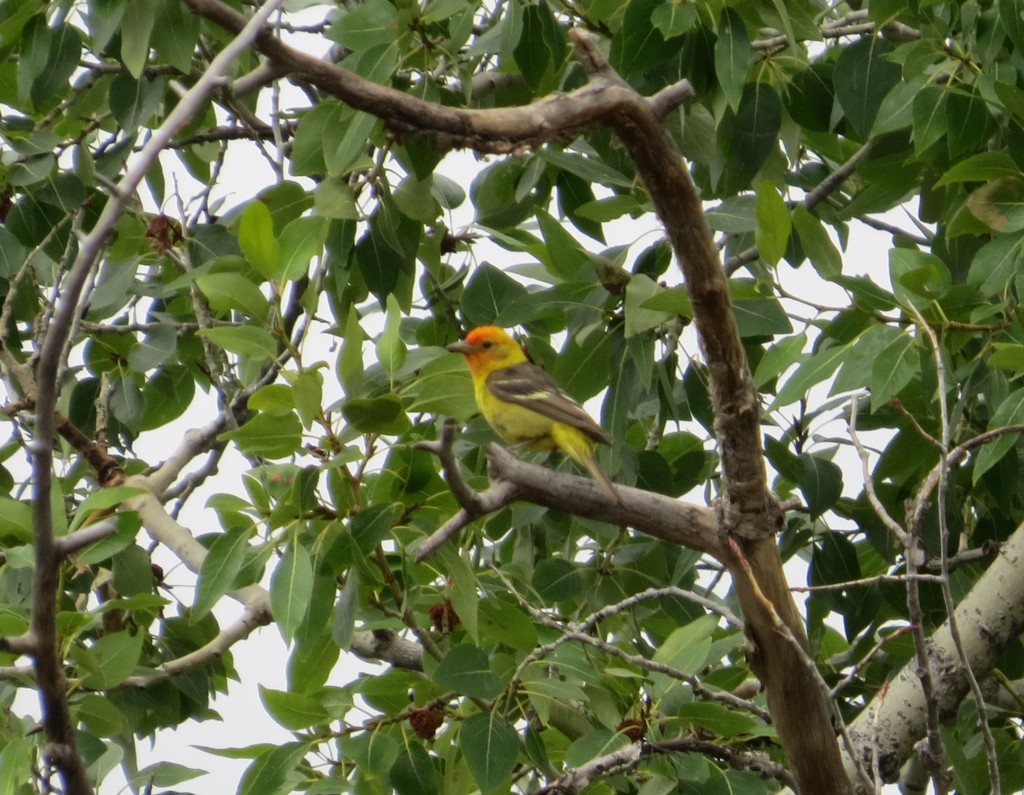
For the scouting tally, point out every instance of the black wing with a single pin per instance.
(528, 385)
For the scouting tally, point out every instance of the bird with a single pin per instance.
(526, 406)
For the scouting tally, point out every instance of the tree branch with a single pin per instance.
(50, 678)
(989, 617)
(498, 130)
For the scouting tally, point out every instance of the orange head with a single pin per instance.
(488, 348)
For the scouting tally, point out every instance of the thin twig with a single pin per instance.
(869, 485)
(991, 752)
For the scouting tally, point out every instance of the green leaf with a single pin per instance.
(732, 54)
(376, 64)
(133, 102)
(345, 146)
(274, 399)
(814, 370)
(175, 34)
(16, 519)
(500, 619)
(443, 387)
(110, 660)
(584, 368)
(415, 198)
(968, 121)
(1009, 412)
(929, 114)
(97, 501)
(674, 19)
(774, 224)
(863, 77)
(165, 774)
(637, 46)
(833, 561)
(159, 345)
(462, 591)
(895, 366)
(866, 294)
(736, 215)
(587, 168)
(371, 526)
(686, 648)
(271, 772)
(232, 291)
(918, 274)
(556, 579)
(675, 300)
(290, 589)
(1007, 356)
(383, 415)
(716, 718)
(983, 167)
(217, 575)
(996, 264)
(386, 254)
(332, 199)
(132, 571)
(345, 611)
(747, 137)
(301, 240)
(999, 204)
(1011, 20)
(103, 21)
(136, 27)
(366, 25)
(757, 314)
(268, 436)
(413, 772)
(779, 358)
(488, 292)
(257, 241)
(541, 51)
(16, 764)
(390, 348)
(896, 111)
(307, 392)
(465, 669)
(599, 742)
(350, 360)
(816, 243)
(811, 97)
(251, 341)
(65, 50)
(821, 482)
(490, 747)
(565, 255)
(294, 711)
(639, 317)
(127, 528)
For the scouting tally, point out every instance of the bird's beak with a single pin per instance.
(461, 346)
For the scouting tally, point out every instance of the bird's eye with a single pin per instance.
(487, 344)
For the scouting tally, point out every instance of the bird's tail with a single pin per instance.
(580, 448)
(594, 468)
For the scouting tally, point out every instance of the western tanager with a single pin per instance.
(525, 405)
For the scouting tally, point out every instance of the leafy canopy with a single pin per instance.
(301, 329)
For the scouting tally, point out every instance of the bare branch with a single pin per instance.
(68, 545)
(869, 485)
